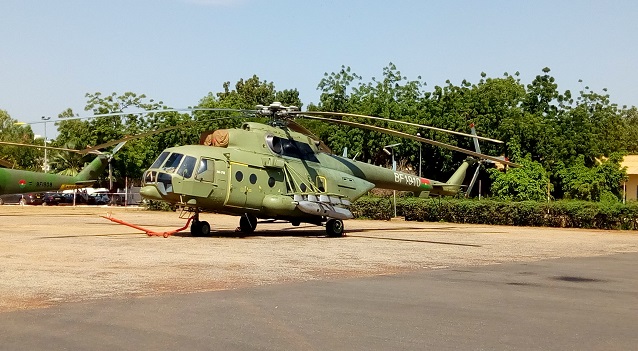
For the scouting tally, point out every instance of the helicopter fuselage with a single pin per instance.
(268, 172)
(14, 181)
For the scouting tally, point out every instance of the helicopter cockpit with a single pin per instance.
(291, 148)
(169, 163)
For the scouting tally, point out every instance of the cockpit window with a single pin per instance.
(172, 162)
(187, 167)
(206, 170)
(160, 160)
(291, 148)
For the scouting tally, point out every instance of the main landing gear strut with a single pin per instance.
(247, 223)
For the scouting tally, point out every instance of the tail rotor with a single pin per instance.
(479, 162)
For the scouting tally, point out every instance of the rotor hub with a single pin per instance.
(276, 110)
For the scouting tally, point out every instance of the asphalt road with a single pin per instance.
(559, 304)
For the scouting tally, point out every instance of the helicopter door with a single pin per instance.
(322, 185)
(245, 191)
(206, 178)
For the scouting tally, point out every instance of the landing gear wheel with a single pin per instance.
(195, 228)
(204, 228)
(334, 228)
(295, 223)
(247, 223)
(200, 228)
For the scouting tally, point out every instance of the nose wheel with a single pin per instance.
(199, 228)
(334, 228)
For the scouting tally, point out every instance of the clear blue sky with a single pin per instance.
(53, 52)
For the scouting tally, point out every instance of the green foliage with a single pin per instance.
(133, 159)
(566, 214)
(138, 154)
(527, 183)
(373, 208)
(20, 157)
(629, 119)
(596, 183)
(537, 121)
(153, 205)
(67, 163)
(557, 135)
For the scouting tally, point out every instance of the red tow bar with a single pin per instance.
(148, 231)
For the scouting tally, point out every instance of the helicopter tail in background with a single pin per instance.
(97, 166)
(93, 169)
(459, 175)
(454, 184)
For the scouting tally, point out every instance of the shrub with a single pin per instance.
(373, 208)
(154, 205)
(571, 214)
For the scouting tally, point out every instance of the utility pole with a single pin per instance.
(46, 160)
(420, 145)
(394, 168)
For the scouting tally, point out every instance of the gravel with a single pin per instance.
(51, 255)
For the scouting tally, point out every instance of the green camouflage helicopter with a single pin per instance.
(282, 171)
(13, 181)
(278, 170)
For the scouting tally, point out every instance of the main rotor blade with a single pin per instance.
(303, 130)
(476, 143)
(412, 137)
(50, 147)
(321, 113)
(159, 110)
(117, 148)
(142, 135)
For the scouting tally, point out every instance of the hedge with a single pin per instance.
(564, 214)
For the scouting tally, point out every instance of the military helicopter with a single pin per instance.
(282, 171)
(13, 181)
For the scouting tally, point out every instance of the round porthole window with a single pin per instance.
(239, 176)
(253, 178)
(271, 182)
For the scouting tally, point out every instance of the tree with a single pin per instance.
(630, 129)
(67, 163)
(529, 182)
(19, 157)
(132, 160)
(592, 128)
(601, 182)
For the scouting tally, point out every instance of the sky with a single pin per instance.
(177, 51)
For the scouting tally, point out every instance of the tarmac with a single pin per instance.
(73, 280)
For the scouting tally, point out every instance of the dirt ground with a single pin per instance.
(52, 255)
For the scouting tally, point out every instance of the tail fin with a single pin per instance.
(459, 175)
(454, 184)
(94, 169)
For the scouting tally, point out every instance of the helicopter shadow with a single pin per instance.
(319, 232)
(300, 232)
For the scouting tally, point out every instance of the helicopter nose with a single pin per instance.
(150, 192)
